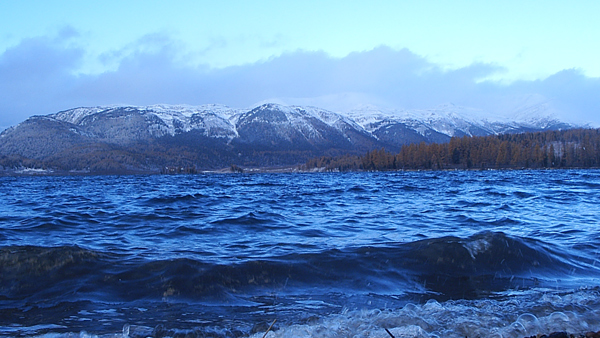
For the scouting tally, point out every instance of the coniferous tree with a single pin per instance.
(550, 149)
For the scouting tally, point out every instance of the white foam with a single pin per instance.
(515, 316)
(519, 316)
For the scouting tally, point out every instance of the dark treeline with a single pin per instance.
(573, 148)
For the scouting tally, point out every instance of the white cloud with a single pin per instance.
(34, 75)
(39, 76)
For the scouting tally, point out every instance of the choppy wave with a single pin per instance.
(449, 267)
(522, 314)
(421, 254)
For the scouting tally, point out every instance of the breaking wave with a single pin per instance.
(447, 254)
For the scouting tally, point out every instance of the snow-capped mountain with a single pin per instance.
(275, 133)
(113, 123)
(116, 122)
(285, 123)
(443, 122)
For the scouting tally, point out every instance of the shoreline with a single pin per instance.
(34, 172)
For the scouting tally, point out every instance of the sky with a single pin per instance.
(502, 57)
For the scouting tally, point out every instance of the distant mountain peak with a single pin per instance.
(271, 132)
(448, 118)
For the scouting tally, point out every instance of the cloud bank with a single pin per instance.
(41, 76)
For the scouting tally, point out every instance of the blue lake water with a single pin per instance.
(421, 254)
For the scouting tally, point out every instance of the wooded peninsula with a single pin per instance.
(573, 148)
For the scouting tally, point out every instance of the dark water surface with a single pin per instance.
(423, 254)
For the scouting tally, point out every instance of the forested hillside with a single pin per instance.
(574, 148)
(152, 139)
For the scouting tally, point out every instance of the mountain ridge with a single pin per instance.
(210, 136)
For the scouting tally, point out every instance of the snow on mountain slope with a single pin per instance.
(452, 120)
(75, 116)
(213, 120)
(114, 138)
(293, 123)
(303, 126)
(298, 114)
(539, 114)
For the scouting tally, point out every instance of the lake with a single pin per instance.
(421, 254)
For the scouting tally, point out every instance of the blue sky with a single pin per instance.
(491, 55)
